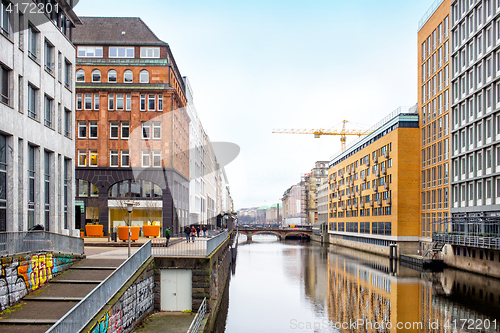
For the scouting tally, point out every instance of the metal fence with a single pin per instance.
(473, 231)
(19, 242)
(82, 313)
(182, 247)
(196, 323)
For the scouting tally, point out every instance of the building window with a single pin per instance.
(113, 158)
(125, 158)
(145, 158)
(67, 191)
(93, 130)
(156, 158)
(49, 105)
(89, 52)
(160, 102)
(47, 189)
(67, 74)
(146, 134)
(125, 130)
(5, 20)
(82, 158)
(4, 85)
(80, 75)
(31, 185)
(96, 101)
(128, 76)
(119, 102)
(156, 130)
(150, 52)
(111, 102)
(128, 102)
(144, 76)
(82, 130)
(93, 158)
(49, 58)
(112, 76)
(32, 101)
(88, 102)
(121, 52)
(3, 183)
(67, 123)
(143, 102)
(79, 102)
(151, 102)
(113, 130)
(96, 75)
(33, 42)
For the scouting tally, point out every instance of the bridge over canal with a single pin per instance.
(280, 233)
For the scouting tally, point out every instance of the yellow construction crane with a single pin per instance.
(321, 131)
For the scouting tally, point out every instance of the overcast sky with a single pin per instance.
(257, 65)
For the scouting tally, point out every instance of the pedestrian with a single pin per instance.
(193, 233)
(204, 228)
(198, 230)
(167, 236)
(187, 231)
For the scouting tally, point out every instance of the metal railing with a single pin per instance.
(181, 247)
(82, 313)
(198, 319)
(429, 13)
(473, 231)
(19, 242)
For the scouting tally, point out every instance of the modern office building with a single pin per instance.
(374, 192)
(37, 93)
(132, 137)
(434, 112)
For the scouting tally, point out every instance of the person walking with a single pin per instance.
(167, 236)
(193, 233)
(204, 228)
(187, 231)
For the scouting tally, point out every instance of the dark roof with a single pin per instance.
(110, 31)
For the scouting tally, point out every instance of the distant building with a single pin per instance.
(37, 93)
(294, 205)
(311, 183)
(322, 201)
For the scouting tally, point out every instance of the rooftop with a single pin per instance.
(429, 13)
(114, 31)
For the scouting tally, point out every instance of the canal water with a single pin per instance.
(295, 286)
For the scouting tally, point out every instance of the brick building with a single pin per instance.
(132, 137)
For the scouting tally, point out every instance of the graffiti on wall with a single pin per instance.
(137, 300)
(21, 275)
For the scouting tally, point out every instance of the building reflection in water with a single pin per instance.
(354, 286)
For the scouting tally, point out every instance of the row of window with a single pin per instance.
(120, 158)
(435, 199)
(472, 193)
(128, 76)
(435, 130)
(119, 102)
(435, 176)
(475, 135)
(437, 61)
(434, 86)
(474, 163)
(117, 130)
(435, 38)
(473, 107)
(378, 228)
(117, 52)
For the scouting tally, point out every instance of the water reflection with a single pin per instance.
(303, 287)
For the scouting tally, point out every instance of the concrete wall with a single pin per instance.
(472, 261)
(403, 247)
(129, 306)
(209, 277)
(23, 274)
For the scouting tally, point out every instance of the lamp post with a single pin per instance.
(130, 208)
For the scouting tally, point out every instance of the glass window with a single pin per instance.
(32, 42)
(156, 158)
(128, 105)
(113, 158)
(146, 161)
(128, 76)
(82, 130)
(5, 18)
(93, 158)
(96, 101)
(80, 75)
(112, 76)
(119, 102)
(82, 158)
(79, 102)
(151, 102)
(93, 130)
(113, 130)
(146, 130)
(96, 75)
(88, 102)
(144, 77)
(83, 188)
(32, 101)
(49, 102)
(125, 130)
(143, 102)
(160, 102)
(156, 130)
(125, 158)
(111, 102)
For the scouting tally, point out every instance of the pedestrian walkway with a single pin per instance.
(177, 322)
(38, 311)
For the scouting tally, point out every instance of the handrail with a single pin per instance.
(17, 242)
(196, 323)
(82, 313)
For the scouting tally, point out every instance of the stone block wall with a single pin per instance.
(23, 274)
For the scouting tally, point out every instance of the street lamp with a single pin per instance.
(130, 208)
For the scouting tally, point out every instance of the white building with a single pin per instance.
(204, 174)
(37, 94)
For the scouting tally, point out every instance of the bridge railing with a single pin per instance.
(182, 247)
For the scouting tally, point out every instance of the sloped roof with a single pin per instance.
(114, 31)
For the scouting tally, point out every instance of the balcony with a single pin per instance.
(478, 232)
